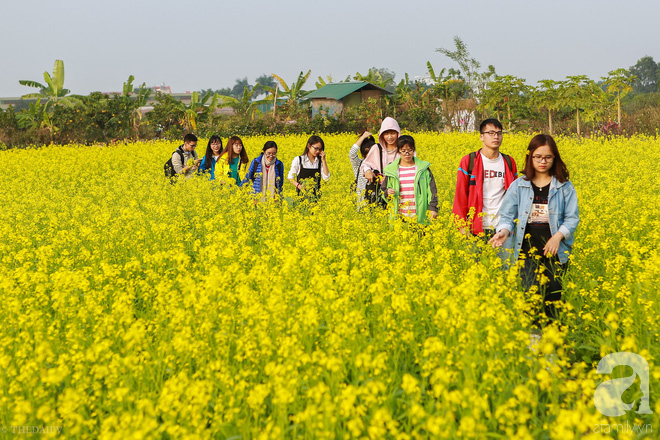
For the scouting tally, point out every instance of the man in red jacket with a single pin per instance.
(483, 178)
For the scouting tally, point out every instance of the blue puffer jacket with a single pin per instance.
(562, 209)
(254, 174)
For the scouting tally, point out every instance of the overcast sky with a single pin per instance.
(197, 44)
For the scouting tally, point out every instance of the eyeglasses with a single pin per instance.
(406, 151)
(543, 158)
(314, 147)
(270, 154)
(493, 133)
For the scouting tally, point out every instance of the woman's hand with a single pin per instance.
(369, 175)
(322, 155)
(390, 192)
(552, 246)
(434, 215)
(498, 239)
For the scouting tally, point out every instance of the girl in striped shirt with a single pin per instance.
(409, 185)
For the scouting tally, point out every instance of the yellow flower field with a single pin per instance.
(132, 308)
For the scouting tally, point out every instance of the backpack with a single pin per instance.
(372, 191)
(472, 156)
(169, 166)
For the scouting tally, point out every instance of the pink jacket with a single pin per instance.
(372, 161)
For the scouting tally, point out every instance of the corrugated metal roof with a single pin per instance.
(340, 90)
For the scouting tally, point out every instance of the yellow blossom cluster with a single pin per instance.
(136, 308)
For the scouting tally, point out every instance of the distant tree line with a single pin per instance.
(626, 101)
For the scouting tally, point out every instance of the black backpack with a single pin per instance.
(373, 194)
(169, 166)
(473, 156)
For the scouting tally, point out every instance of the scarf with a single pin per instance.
(267, 178)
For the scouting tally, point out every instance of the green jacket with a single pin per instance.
(426, 193)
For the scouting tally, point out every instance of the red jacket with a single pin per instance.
(469, 196)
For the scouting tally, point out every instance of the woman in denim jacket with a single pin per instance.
(541, 205)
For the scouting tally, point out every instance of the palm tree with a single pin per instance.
(262, 83)
(237, 90)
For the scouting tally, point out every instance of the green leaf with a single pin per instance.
(58, 75)
(27, 82)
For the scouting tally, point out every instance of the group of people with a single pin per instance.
(531, 218)
(265, 173)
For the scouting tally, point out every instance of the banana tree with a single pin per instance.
(246, 106)
(133, 103)
(53, 90)
(323, 82)
(37, 117)
(383, 78)
(295, 91)
(197, 105)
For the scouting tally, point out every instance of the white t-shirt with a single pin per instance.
(306, 163)
(493, 190)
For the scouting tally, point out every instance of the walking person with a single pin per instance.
(213, 151)
(234, 156)
(542, 205)
(307, 170)
(409, 185)
(381, 155)
(363, 146)
(184, 161)
(483, 178)
(266, 173)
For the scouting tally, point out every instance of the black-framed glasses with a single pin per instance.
(540, 159)
(493, 133)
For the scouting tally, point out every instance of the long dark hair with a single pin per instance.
(313, 139)
(229, 150)
(558, 168)
(208, 156)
